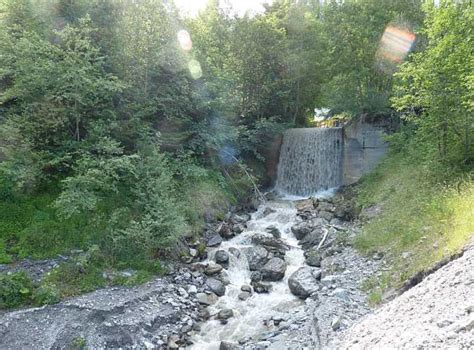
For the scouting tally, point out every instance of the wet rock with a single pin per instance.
(303, 228)
(325, 206)
(256, 257)
(269, 242)
(246, 288)
(274, 231)
(226, 345)
(212, 269)
(274, 270)
(206, 299)
(268, 211)
(260, 287)
(304, 281)
(234, 251)
(244, 295)
(222, 257)
(225, 314)
(336, 323)
(313, 257)
(256, 276)
(240, 218)
(214, 240)
(238, 229)
(216, 286)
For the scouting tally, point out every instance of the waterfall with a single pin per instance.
(310, 161)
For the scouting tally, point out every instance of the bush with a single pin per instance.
(15, 290)
(46, 294)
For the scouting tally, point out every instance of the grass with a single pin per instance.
(421, 222)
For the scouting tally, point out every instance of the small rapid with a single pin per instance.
(251, 315)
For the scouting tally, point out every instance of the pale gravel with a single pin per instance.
(438, 313)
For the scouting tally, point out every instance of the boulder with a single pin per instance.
(225, 314)
(325, 206)
(216, 286)
(300, 230)
(313, 257)
(304, 205)
(256, 276)
(206, 299)
(269, 242)
(214, 240)
(256, 256)
(312, 239)
(268, 211)
(225, 230)
(260, 287)
(212, 269)
(326, 215)
(274, 270)
(234, 251)
(221, 257)
(274, 231)
(304, 281)
(246, 288)
(240, 218)
(244, 295)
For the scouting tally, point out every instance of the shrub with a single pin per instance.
(15, 290)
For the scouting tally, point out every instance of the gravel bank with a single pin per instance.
(438, 313)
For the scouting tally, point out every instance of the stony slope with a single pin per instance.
(438, 313)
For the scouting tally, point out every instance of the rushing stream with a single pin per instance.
(249, 315)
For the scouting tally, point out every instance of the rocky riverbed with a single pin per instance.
(283, 277)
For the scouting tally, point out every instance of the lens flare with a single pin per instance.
(184, 40)
(395, 44)
(195, 69)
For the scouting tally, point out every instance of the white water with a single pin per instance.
(249, 315)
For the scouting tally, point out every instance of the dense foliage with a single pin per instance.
(123, 124)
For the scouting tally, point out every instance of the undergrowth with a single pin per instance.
(422, 220)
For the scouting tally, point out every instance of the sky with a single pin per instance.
(192, 7)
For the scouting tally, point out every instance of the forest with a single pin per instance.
(125, 126)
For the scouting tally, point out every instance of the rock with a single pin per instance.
(206, 299)
(214, 240)
(341, 293)
(336, 323)
(244, 295)
(193, 252)
(274, 231)
(274, 270)
(238, 228)
(256, 256)
(313, 257)
(256, 276)
(226, 345)
(304, 281)
(269, 242)
(268, 211)
(260, 287)
(222, 257)
(326, 215)
(212, 269)
(312, 239)
(192, 289)
(225, 314)
(225, 230)
(246, 288)
(240, 218)
(325, 206)
(234, 251)
(303, 228)
(304, 205)
(216, 286)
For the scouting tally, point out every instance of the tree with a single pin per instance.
(435, 89)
